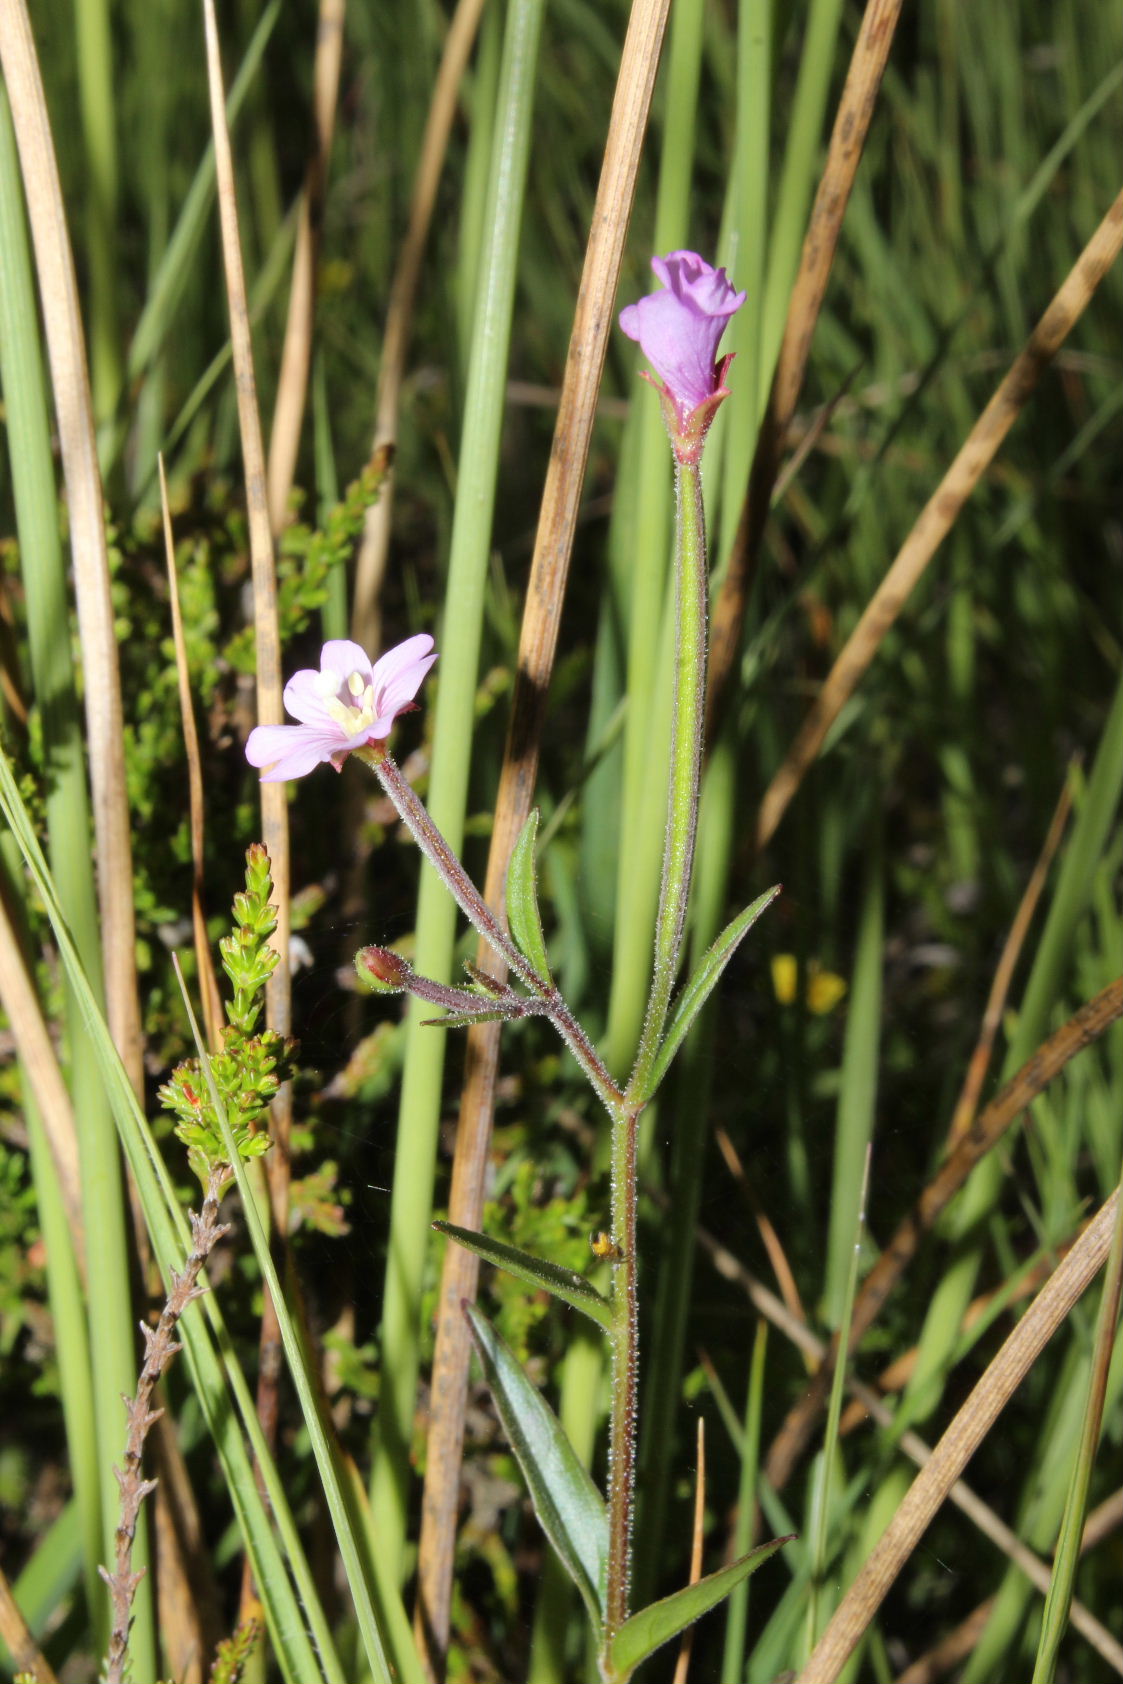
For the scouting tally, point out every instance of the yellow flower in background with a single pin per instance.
(822, 989)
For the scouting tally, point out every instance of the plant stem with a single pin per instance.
(625, 1370)
(468, 898)
(445, 863)
(686, 759)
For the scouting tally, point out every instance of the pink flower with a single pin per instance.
(679, 329)
(347, 703)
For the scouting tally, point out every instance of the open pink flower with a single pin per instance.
(679, 329)
(347, 703)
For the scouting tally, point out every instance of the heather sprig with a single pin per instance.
(248, 1068)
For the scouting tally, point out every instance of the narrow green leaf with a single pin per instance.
(701, 986)
(567, 1503)
(454, 739)
(660, 1621)
(165, 291)
(562, 1283)
(522, 898)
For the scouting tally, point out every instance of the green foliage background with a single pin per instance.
(992, 156)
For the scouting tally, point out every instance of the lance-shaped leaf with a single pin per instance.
(522, 898)
(563, 1283)
(569, 1507)
(660, 1621)
(701, 986)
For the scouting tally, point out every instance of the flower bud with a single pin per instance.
(383, 970)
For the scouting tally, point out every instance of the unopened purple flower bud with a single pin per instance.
(383, 970)
(679, 329)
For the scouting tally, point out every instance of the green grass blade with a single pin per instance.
(797, 179)
(98, 109)
(419, 1109)
(49, 1577)
(819, 1524)
(857, 1101)
(306, 1390)
(1066, 1558)
(215, 1376)
(166, 291)
(112, 1347)
(737, 1617)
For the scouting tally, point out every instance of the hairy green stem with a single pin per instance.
(624, 1339)
(686, 760)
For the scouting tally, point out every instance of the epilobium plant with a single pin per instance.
(348, 708)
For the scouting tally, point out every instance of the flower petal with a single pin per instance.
(304, 698)
(679, 327)
(291, 751)
(399, 674)
(342, 657)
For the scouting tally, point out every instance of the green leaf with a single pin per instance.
(522, 898)
(660, 1621)
(701, 986)
(563, 1283)
(465, 1020)
(569, 1507)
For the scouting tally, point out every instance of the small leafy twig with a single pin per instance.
(160, 1347)
(249, 1069)
(234, 1654)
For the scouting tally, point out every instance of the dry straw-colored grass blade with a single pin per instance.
(371, 566)
(940, 514)
(967, 1105)
(844, 154)
(27, 1657)
(40, 1062)
(1084, 1027)
(951, 1455)
(66, 354)
(697, 1543)
(296, 354)
(557, 522)
(913, 1446)
(274, 807)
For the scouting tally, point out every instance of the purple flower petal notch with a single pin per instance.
(679, 329)
(344, 706)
